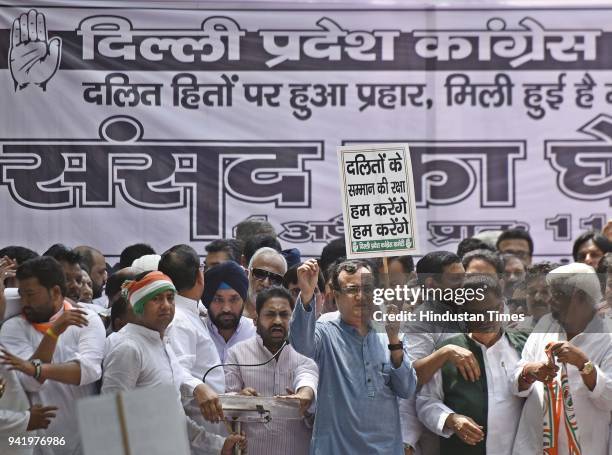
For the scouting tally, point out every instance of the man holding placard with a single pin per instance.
(361, 372)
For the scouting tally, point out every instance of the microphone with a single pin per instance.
(285, 343)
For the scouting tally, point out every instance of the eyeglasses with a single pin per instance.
(261, 275)
(354, 290)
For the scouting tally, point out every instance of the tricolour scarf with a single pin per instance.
(557, 401)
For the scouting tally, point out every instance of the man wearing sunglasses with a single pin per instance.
(267, 268)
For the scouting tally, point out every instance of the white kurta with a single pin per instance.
(592, 408)
(504, 408)
(84, 345)
(291, 370)
(196, 352)
(412, 428)
(193, 345)
(138, 358)
(14, 415)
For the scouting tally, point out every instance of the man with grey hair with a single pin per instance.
(566, 368)
(267, 268)
(250, 228)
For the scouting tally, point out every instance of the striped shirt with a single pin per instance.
(291, 370)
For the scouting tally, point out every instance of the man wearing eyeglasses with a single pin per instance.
(267, 267)
(224, 296)
(361, 372)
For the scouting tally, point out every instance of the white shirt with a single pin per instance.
(504, 408)
(139, 357)
(592, 408)
(193, 345)
(14, 415)
(111, 341)
(291, 370)
(84, 345)
(101, 301)
(412, 428)
(244, 331)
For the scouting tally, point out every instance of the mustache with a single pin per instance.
(277, 327)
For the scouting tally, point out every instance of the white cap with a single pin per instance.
(146, 263)
(578, 275)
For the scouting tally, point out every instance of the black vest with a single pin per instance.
(470, 398)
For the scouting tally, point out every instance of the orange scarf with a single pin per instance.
(42, 327)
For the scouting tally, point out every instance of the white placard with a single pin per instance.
(376, 185)
(155, 423)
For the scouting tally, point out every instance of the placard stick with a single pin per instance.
(122, 424)
(386, 270)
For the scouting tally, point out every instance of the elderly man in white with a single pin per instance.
(566, 369)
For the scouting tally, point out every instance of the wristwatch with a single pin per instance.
(395, 347)
(37, 367)
(587, 368)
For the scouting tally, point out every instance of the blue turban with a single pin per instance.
(227, 273)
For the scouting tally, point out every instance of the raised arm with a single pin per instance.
(302, 334)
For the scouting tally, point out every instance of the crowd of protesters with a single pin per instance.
(255, 320)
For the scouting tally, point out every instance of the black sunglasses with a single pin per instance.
(261, 275)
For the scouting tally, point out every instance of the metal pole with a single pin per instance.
(237, 427)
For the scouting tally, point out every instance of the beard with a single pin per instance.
(97, 290)
(225, 321)
(268, 339)
(39, 315)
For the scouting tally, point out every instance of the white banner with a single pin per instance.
(170, 125)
